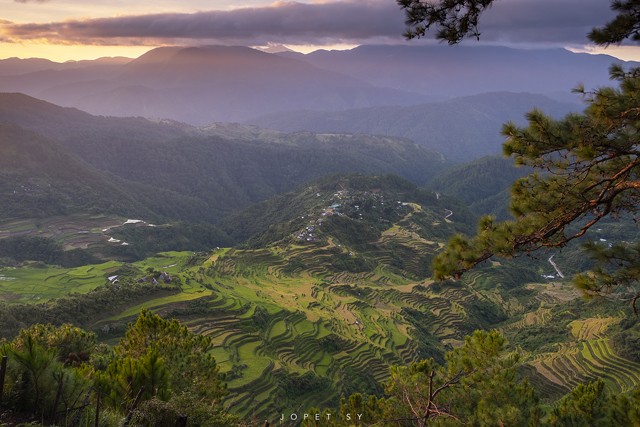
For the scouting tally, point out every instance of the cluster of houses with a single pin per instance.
(338, 201)
(164, 276)
(308, 234)
(26, 189)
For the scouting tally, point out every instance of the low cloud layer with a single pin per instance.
(544, 21)
(322, 23)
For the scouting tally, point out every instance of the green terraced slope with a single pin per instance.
(319, 305)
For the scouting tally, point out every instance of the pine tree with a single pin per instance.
(477, 386)
(35, 361)
(587, 165)
(187, 364)
(154, 375)
(456, 20)
(588, 169)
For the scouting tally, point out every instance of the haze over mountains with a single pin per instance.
(462, 129)
(204, 85)
(298, 241)
(443, 72)
(16, 66)
(194, 174)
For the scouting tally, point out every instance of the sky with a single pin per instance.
(63, 30)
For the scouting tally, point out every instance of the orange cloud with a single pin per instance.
(280, 22)
(321, 22)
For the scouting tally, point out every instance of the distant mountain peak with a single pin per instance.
(276, 48)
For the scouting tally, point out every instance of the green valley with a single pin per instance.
(323, 302)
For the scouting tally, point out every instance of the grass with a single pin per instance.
(38, 285)
(309, 305)
(64, 229)
(159, 302)
(166, 261)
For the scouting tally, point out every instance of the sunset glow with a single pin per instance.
(62, 30)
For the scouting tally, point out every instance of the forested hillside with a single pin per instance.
(310, 197)
(462, 128)
(319, 306)
(482, 184)
(42, 178)
(181, 172)
(336, 261)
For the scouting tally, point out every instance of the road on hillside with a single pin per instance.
(556, 267)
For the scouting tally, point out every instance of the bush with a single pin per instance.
(199, 413)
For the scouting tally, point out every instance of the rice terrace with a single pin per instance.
(285, 312)
(345, 213)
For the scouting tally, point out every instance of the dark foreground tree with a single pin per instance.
(589, 169)
(587, 165)
(166, 358)
(455, 20)
(477, 386)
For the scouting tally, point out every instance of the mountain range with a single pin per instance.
(443, 72)
(307, 235)
(204, 85)
(178, 171)
(462, 128)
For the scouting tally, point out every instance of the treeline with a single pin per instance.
(216, 175)
(159, 366)
(483, 184)
(167, 371)
(78, 309)
(42, 178)
(179, 236)
(193, 178)
(14, 250)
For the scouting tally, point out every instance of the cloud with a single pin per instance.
(317, 23)
(26, 1)
(544, 21)
(280, 22)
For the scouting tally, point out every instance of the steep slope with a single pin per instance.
(42, 178)
(61, 123)
(197, 175)
(358, 197)
(204, 85)
(462, 128)
(320, 307)
(482, 184)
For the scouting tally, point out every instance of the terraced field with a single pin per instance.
(37, 285)
(331, 322)
(587, 361)
(319, 320)
(75, 231)
(328, 322)
(306, 308)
